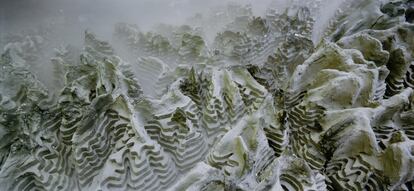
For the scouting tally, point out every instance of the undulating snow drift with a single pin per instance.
(260, 106)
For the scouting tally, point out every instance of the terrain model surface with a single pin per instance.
(262, 104)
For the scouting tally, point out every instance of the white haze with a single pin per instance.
(66, 20)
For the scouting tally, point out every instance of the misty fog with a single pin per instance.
(64, 22)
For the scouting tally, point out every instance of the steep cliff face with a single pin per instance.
(257, 107)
